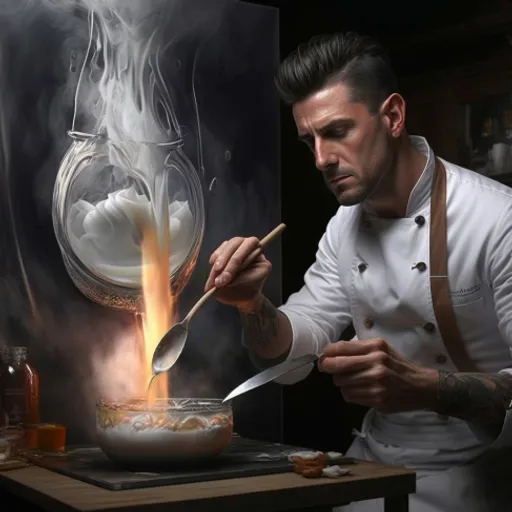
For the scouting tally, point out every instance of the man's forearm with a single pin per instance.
(267, 331)
(482, 399)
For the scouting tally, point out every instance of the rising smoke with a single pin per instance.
(43, 46)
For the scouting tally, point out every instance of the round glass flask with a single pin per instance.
(103, 189)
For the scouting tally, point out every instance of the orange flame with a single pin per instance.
(159, 304)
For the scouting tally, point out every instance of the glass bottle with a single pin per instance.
(126, 163)
(20, 386)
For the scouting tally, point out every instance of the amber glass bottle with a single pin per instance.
(20, 387)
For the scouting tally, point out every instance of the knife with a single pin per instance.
(271, 374)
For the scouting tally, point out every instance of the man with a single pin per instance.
(418, 257)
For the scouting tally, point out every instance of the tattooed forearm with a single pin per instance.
(261, 327)
(267, 331)
(476, 397)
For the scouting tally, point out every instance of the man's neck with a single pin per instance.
(391, 197)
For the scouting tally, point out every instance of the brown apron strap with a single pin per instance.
(443, 309)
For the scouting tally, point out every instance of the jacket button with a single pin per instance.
(441, 359)
(421, 266)
(429, 327)
(362, 267)
(420, 220)
(368, 323)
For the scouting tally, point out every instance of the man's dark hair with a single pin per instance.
(358, 61)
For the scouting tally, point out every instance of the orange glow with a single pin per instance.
(159, 304)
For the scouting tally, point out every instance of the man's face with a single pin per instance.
(353, 148)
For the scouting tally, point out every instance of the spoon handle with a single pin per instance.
(263, 242)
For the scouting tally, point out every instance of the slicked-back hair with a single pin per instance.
(356, 60)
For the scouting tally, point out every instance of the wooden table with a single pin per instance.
(57, 493)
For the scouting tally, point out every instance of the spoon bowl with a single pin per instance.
(173, 341)
(166, 354)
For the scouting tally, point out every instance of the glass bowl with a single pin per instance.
(138, 435)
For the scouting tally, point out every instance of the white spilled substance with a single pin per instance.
(305, 455)
(335, 471)
(333, 455)
(106, 239)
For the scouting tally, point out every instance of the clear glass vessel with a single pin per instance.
(140, 435)
(126, 165)
(97, 207)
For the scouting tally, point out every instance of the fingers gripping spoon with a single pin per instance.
(172, 343)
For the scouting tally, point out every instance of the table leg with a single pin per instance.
(399, 503)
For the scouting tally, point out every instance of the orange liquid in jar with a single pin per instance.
(51, 438)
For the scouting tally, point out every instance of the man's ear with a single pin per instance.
(392, 112)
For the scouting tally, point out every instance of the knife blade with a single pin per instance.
(271, 374)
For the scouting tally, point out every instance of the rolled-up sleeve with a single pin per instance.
(500, 277)
(320, 310)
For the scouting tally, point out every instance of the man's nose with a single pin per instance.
(324, 158)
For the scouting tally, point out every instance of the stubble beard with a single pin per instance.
(352, 197)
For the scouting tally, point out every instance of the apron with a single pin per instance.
(467, 476)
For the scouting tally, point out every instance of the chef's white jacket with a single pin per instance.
(366, 272)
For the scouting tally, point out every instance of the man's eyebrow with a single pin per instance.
(335, 123)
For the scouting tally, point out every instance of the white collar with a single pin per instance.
(420, 194)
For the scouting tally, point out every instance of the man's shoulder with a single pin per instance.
(476, 197)
(468, 184)
(342, 227)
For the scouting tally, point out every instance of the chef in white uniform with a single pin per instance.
(419, 258)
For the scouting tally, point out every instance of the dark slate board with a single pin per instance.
(244, 458)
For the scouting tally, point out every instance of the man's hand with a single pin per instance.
(239, 271)
(371, 373)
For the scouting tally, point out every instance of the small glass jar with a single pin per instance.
(51, 438)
